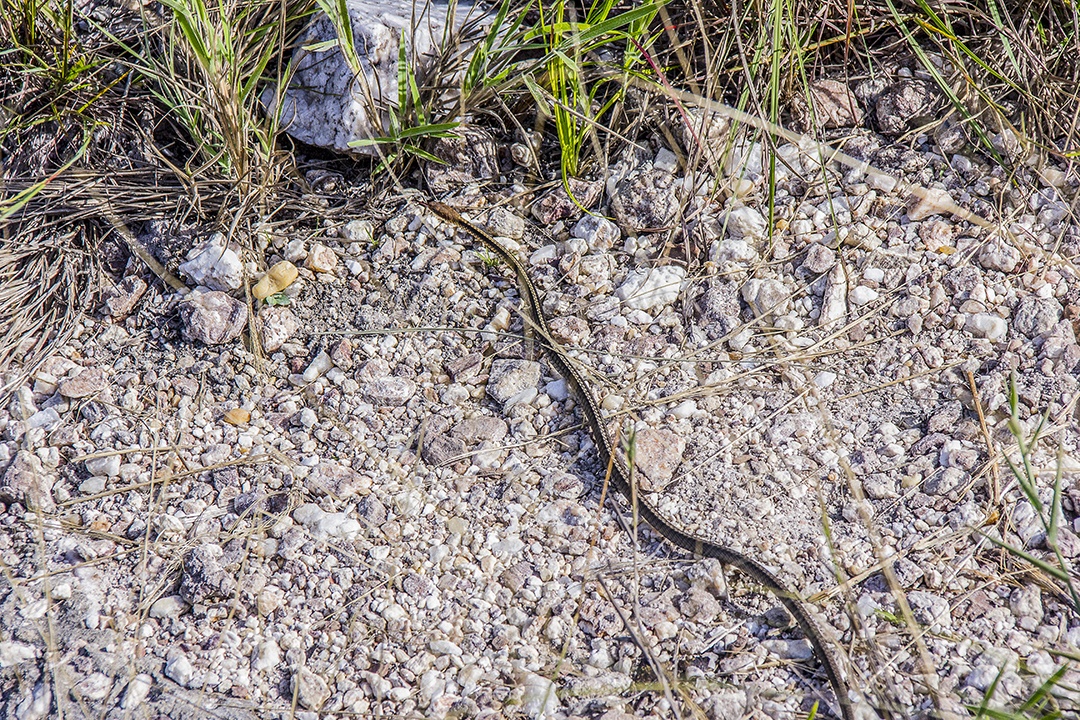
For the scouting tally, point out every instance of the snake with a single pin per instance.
(620, 472)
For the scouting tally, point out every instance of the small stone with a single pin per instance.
(767, 297)
(108, 465)
(276, 279)
(651, 288)
(744, 159)
(645, 200)
(931, 610)
(341, 354)
(544, 255)
(440, 448)
(945, 417)
(707, 130)
(481, 428)
(46, 419)
(168, 607)
(322, 259)
(444, 647)
(27, 481)
(833, 105)
(600, 233)
(326, 526)
(276, 325)
(905, 106)
(501, 222)
(746, 222)
(35, 705)
(204, 578)
(120, 300)
(358, 231)
(178, 668)
(540, 697)
(999, 255)
(216, 454)
(790, 649)
(214, 265)
(319, 365)
(1068, 543)
(89, 382)
(16, 653)
(389, 391)
(212, 318)
(944, 482)
(267, 656)
(465, 367)
(935, 202)
(569, 330)
(1035, 316)
(1026, 604)
(731, 250)
(658, 453)
(987, 325)
(508, 378)
(699, 605)
(824, 379)
(94, 686)
(374, 369)
(339, 481)
(308, 418)
(861, 295)
(237, 416)
(136, 691)
(467, 156)
(269, 599)
(556, 205)
(311, 690)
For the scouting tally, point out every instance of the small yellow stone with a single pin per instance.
(275, 280)
(237, 416)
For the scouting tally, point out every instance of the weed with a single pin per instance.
(489, 259)
(409, 123)
(1049, 516)
(207, 67)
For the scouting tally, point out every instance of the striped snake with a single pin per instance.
(620, 475)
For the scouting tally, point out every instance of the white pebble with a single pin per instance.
(318, 366)
(861, 295)
(746, 222)
(684, 409)
(137, 691)
(987, 325)
(824, 379)
(267, 656)
(874, 275)
(178, 669)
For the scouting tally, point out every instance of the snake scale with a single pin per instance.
(620, 476)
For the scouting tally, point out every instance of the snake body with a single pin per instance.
(620, 476)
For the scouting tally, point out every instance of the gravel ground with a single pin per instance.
(394, 513)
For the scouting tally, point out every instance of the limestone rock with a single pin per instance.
(329, 106)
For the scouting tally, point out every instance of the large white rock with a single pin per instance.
(327, 104)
